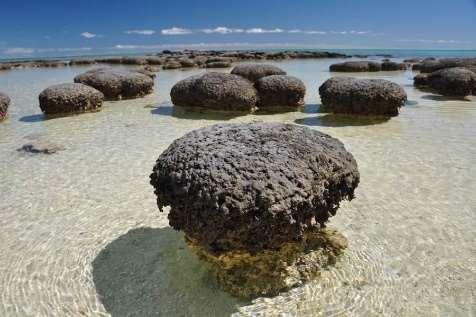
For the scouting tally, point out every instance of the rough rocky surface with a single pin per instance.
(218, 64)
(70, 98)
(254, 72)
(172, 65)
(245, 274)
(362, 96)
(420, 80)
(356, 66)
(432, 65)
(4, 103)
(217, 91)
(456, 81)
(391, 66)
(117, 84)
(280, 92)
(253, 186)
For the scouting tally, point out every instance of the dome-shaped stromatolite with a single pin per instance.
(390, 66)
(455, 81)
(70, 98)
(217, 91)
(362, 96)
(4, 103)
(117, 84)
(253, 72)
(280, 91)
(253, 186)
(356, 66)
(420, 80)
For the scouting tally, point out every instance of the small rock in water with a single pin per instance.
(41, 148)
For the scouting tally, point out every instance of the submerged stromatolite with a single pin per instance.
(255, 195)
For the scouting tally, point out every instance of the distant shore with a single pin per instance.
(179, 59)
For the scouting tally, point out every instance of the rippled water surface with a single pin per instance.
(81, 233)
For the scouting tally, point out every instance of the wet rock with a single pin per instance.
(420, 80)
(431, 65)
(356, 66)
(253, 186)
(253, 72)
(134, 60)
(456, 81)
(187, 63)
(172, 65)
(217, 91)
(248, 274)
(153, 60)
(70, 99)
(280, 92)
(362, 96)
(81, 62)
(148, 70)
(40, 147)
(218, 64)
(4, 103)
(110, 60)
(117, 84)
(391, 66)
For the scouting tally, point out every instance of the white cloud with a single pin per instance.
(140, 32)
(64, 49)
(222, 30)
(298, 31)
(359, 32)
(176, 31)
(19, 51)
(88, 35)
(435, 41)
(261, 31)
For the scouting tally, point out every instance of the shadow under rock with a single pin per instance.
(33, 118)
(151, 272)
(340, 120)
(194, 114)
(443, 98)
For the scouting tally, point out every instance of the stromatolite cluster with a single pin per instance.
(253, 200)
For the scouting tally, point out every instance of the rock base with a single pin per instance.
(245, 274)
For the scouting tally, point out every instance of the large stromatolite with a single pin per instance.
(70, 99)
(362, 96)
(117, 84)
(256, 195)
(216, 91)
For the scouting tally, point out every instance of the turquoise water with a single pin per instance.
(397, 53)
(81, 234)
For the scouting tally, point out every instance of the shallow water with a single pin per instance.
(82, 235)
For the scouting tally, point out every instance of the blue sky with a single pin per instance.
(64, 27)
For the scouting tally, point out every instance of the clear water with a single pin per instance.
(66, 219)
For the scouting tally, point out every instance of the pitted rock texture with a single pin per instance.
(253, 72)
(455, 81)
(70, 99)
(356, 66)
(280, 92)
(390, 66)
(362, 96)
(245, 274)
(4, 103)
(218, 64)
(117, 84)
(432, 65)
(420, 80)
(216, 91)
(253, 186)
